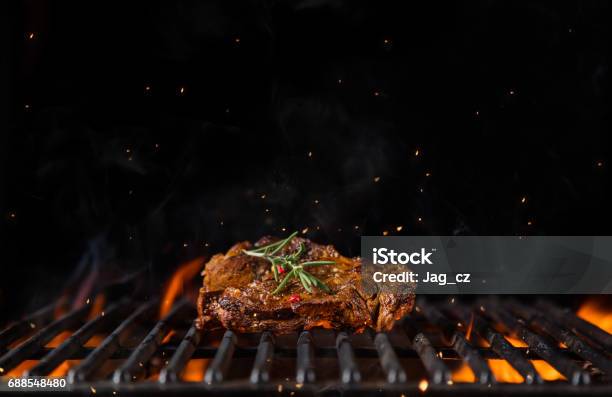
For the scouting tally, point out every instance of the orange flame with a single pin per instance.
(463, 374)
(546, 371)
(175, 287)
(595, 312)
(58, 339)
(468, 333)
(63, 368)
(168, 337)
(21, 368)
(516, 342)
(95, 340)
(504, 372)
(194, 370)
(96, 307)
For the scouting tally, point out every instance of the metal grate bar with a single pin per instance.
(86, 369)
(349, 373)
(466, 351)
(22, 352)
(263, 359)
(20, 328)
(180, 358)
(133, 367)
(305, 369)
(500, 345)
(74, 342)
(437, 370)
(575, 344)
(576, 324)
(388, 359)
(541, 347)
(217, 369)
(479, 366)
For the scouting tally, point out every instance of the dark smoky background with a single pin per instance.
(141, 134)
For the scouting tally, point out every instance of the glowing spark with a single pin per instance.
(428, 174)
(529, 223)
(339, 81)
(356, 227)
(399, 228)
(376, 179)
(309, 154)
(305, 230)
(600, 164)
(147, 88)
(263, 196)
(523, 199)
(12, 215)
(423, 385)
(185, 245)
(316, 201)
(27, 106)
(385, 233)
(376, 93)
(420, 219)
(93, 390)
(31, 36)
(87, 302)
(237, 40)
(416, 153)
(182, 90)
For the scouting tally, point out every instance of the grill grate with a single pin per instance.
(137, 355)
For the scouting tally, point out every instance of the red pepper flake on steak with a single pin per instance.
(237, 294)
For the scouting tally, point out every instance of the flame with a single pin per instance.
(595, 313)
(194, 370)
(516, 342)
(175, 286)
(26, 365)
(94, 341)
(63, 368)
(96, 308)
(546, 371)
(468, 333)
(504, 372)
(168, 337)
(21, 368)
(58, 339)
(463, 374)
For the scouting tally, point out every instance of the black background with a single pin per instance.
(318, 106)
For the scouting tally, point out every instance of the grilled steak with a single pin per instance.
(237, 294)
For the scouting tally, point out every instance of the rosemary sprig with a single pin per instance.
(290, 263)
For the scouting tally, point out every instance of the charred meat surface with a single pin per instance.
(237, 294)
